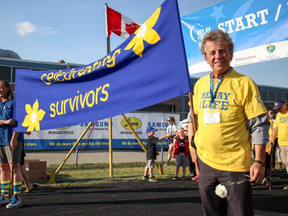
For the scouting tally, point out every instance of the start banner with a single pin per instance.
(64, 138)
(258, 29)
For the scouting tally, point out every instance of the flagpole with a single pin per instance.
(110, 119)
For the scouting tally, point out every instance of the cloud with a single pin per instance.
(24, 28)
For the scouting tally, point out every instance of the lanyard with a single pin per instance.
(213, 94)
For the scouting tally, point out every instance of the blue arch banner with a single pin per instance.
(258, 29)
(148, 68)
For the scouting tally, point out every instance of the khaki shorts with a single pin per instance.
(6, 153)
(283, 152)
(150, 163)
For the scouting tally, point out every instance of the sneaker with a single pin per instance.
(4, 200)
(165, 164)
(183, 178)
(152, 179)
(196, 177)
(175, 178)
(145, 178)
(15, 202)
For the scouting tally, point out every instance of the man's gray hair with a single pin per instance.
(217, 36)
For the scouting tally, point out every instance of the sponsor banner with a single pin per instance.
(258, 29)
(64, 138)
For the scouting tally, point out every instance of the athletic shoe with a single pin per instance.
(15, 202)
(152, 179)
(196, 177)
(175, 178)
(165, 164)
(145, 178)
(183, 178)
(4, 200)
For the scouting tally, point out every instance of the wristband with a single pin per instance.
(260, 162)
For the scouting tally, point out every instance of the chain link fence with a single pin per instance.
(54, 145)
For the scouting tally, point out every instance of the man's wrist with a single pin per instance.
(259, 162)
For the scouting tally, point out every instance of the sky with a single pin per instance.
(73, 30)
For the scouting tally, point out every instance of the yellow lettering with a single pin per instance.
(88, 69)
(96, 94)
(52, 108)
(116, 53)
(57, 111)
(50, 77)
(73, 104)
(82, 100)
(87, 99)
(95, 64)
(81, 72)
(42, 78)
(59, 74)
(105, 93)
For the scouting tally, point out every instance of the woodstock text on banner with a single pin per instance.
(148, 68)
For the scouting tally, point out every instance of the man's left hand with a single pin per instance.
(256, 173)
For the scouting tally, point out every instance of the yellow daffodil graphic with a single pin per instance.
(33, 117)
(146, 33)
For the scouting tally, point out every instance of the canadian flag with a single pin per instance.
(119, 24)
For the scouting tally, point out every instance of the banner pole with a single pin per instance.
(72, 149)
(110, 119)
(194, 127)
(160, 169)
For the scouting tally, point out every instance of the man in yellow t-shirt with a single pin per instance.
(231, 116)
(281, 129)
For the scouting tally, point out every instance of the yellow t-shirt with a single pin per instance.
(281, 122)
(226, 145)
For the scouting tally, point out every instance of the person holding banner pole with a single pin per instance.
(171, 129)
(231, 117)
(10, 150)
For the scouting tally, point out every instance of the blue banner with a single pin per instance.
(63, 144)
(148, 68)
(258, 29)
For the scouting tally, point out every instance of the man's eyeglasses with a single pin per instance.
(168, 119)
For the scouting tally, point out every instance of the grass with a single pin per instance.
(80, 175)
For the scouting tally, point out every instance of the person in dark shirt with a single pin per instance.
(151, 153)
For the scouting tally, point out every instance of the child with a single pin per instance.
(181, 149)
(151, 153)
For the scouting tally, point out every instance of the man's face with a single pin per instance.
(218, 57)
(283, 109)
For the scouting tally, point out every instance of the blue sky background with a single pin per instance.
(73, 30)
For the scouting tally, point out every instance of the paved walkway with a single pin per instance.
(166, 197)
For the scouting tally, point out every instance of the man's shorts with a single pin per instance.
(6, 153)
(150, 163)
(181, 160)
(283, 151)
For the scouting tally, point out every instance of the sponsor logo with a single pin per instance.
(248, 58)
(63, 128)
(270, 48)
(134, 122)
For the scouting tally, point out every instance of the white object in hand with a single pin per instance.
(221, 191)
